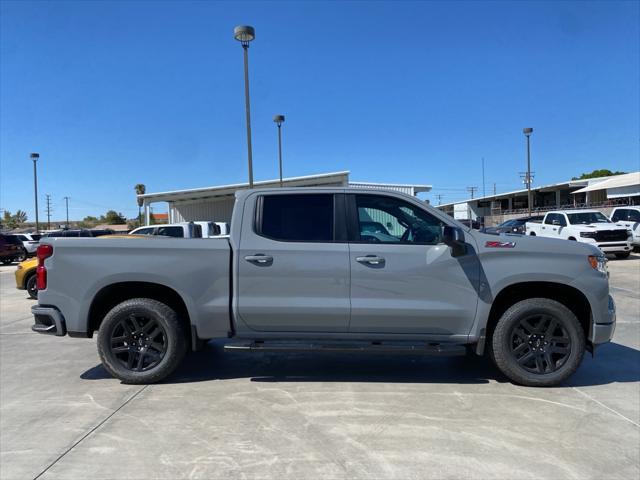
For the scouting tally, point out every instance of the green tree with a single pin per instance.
(8, 220)
(140, 190)
(114, 218)
(603, 172)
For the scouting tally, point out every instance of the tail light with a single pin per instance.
(44, 251)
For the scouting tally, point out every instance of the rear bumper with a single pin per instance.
(48, 320)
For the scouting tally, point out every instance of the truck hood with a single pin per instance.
(599, 226)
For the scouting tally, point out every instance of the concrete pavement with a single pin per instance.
(308, 416)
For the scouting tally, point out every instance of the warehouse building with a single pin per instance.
(602, 193)
(216, 203)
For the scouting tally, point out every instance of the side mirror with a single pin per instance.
(454, 238)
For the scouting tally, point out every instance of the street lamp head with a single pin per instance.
(35, 156)
(527, 131)
(279, 119)
(244, 34)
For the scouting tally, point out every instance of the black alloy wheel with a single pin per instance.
(540, 344)
(139, 343)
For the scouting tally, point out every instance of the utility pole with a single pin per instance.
(472, 190)
(484, 192)
(494, 188)
(527, 133)
(66, 200)
(439, 197)
(48, 211)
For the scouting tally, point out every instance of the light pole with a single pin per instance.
(279, 119)
(245, 34)
(35, 157)
(527, 133)
(66, 201)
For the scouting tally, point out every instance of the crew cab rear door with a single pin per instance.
(293, 263)
(403, 278)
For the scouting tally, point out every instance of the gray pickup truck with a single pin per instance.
(316, 269)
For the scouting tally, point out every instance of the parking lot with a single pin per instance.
(237, 415)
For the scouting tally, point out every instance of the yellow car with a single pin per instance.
(26, 277)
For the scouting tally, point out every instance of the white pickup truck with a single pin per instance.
(587, 226)
(630, 218)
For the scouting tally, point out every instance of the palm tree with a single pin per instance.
(140, 190)
(20, 217)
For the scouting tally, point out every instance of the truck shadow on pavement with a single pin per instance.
(613, 363)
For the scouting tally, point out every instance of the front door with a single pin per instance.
(403, 278)
(293, 264)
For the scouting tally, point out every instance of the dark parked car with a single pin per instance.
(471, 224)
(11, 249)
(515, 225)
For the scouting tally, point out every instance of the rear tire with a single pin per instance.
(32, 286)
(141, 341)
(622, 255)
(22, 257)
(538, 342)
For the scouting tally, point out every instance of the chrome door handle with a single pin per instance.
(370, 259)
(259, 259)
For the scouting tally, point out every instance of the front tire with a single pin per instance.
(538, 342)
(141, 341)
(622, 255)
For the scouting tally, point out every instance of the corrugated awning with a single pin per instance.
(619, 181)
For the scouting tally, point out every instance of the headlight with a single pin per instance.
(599, 263)
(19, 267)
(629, 233)
(588, 234)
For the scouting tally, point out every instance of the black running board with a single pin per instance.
(442, 349)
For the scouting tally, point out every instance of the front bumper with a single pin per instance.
(615, 247)
(603, 332)
(48, 320)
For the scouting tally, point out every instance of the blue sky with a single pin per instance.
(117, 93)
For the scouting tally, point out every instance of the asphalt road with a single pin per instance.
(314, 416)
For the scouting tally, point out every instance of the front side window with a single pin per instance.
(390, 220)
(586, 218)
(297, 218)
(176, 232)
(144, 231)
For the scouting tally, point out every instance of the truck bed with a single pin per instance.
(197, 269)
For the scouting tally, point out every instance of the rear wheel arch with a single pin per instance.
(111, 295)
(570, 297)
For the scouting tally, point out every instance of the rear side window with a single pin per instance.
(177, 232)
(297, 218)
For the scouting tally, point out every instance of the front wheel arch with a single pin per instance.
(570, 297)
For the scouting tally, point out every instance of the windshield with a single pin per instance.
(587, 217)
